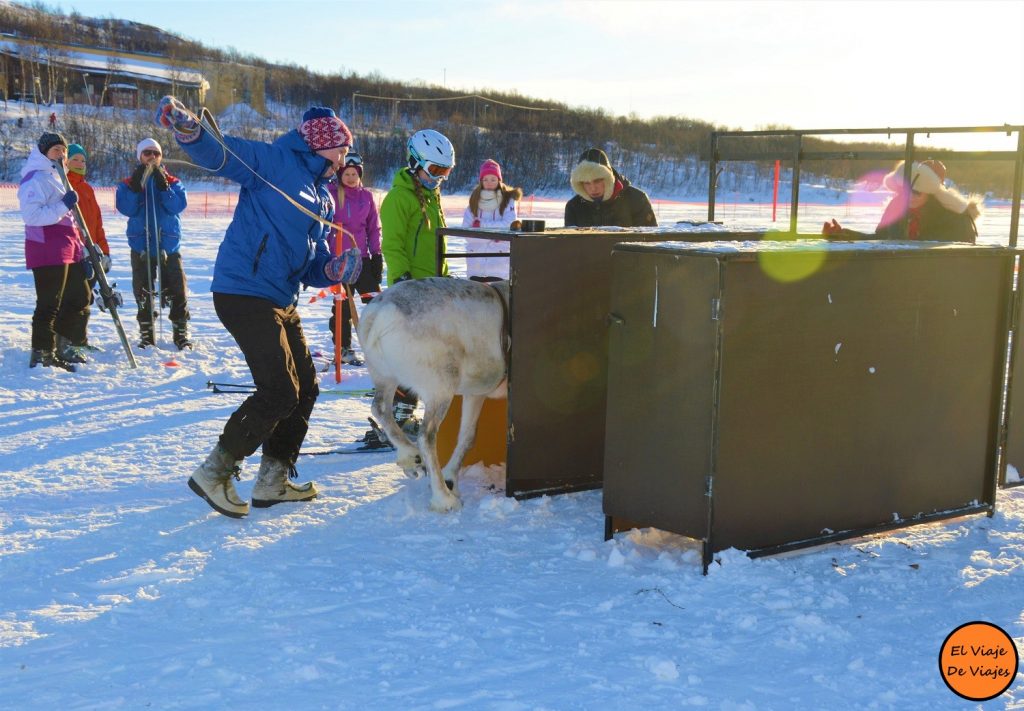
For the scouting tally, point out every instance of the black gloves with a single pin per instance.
(88, 269)
(135, 182)
(377, 267)
(70, 199)
(160, 177)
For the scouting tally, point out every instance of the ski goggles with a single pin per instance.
(436, 171)
(353, 159)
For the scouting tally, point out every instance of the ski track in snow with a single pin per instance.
(121, 589)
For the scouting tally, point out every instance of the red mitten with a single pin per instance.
(831, 229)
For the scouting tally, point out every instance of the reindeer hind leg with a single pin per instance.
(408, 457)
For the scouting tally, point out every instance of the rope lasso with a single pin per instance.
(207, 121)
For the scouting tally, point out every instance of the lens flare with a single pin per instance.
(795, 263)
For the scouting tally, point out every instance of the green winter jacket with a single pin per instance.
(408, 232)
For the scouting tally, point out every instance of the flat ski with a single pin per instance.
(373, 441)
(224, 388)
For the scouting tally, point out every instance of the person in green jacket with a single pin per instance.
(410, 216)
(411, 212)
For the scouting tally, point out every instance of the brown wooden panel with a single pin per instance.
(661, 391)
(558, 374)
(1015, 429)
(859, 395)
(862, 396)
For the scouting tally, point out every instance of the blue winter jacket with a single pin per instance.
(153, 212)
(270, 246)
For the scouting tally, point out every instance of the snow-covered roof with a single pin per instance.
(156, 69)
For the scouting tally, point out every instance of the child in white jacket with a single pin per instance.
(492, 205)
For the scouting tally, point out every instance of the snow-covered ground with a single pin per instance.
(120, 589)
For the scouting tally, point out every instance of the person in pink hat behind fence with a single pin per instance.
(493, 205)
(934, 212)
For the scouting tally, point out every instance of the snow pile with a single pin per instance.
(121, 589)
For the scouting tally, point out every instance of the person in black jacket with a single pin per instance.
(603, 197)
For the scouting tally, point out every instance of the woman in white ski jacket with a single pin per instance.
(53, 251)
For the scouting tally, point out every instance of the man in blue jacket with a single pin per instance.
(152, 199)
(276, 241)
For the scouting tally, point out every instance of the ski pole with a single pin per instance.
(339, 248)
(149, 266)
(109, 296)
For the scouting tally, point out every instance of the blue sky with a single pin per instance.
(743, 65)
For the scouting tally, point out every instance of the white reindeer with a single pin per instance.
(438, 337)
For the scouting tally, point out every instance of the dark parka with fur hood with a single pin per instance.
(622, 204)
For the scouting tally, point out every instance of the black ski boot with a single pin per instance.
(181, 337)
(69, 352)
(49, 360)
(407, 420)
(349, 357)
(146, 335)
(375, 438)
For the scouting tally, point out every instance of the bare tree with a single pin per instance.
(114, 67)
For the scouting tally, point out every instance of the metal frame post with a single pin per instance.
(793, 208)
(1018, 173)
(712, 178)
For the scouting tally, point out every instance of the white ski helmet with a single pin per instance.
(432, 151)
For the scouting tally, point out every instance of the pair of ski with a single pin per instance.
(370, 442)
(373, 441)
(109, 299)
(248, 388)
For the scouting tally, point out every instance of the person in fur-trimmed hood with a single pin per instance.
(603, 197)
(934, 212)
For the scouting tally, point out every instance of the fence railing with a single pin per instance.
(213, 203)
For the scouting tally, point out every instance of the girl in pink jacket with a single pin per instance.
(356, 211)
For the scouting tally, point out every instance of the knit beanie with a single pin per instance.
(49, 140)
(596, 155)
(490, 167)
(75, 149)
(147, 143)
(321, 129)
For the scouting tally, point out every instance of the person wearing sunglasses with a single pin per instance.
(934, 212)
(356, 211)
(276, 242)
(152, 199)
(410, 216)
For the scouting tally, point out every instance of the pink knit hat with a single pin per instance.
(322, 129)
(490, 167)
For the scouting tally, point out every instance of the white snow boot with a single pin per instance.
(272, 485)
(212, 481)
